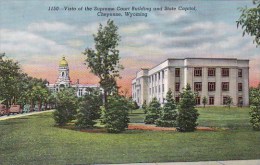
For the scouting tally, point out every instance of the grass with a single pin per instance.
(35, 140)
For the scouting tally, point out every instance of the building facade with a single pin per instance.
(63, 81)
(214, 78)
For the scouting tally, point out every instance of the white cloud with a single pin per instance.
(75, 43)
(50, 26)
(135, 28)
(22, 45)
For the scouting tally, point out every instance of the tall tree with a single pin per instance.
(9, 79)
(168, 115)
(250, 21)
(255, 108)
(153, 111)
(187, 114)
(104, 60)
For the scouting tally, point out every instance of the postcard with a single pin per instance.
(146, 54)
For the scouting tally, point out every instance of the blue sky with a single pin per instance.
(38, 38)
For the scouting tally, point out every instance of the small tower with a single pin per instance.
(63, 78)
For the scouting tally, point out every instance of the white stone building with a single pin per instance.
(214, 78)
(64, 81)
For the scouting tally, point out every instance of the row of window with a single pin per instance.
(154, 89)
(211, 100)
(197, 73)
(156, 76)
(212, 86)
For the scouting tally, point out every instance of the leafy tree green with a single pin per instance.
(9, 79)
(187, 114)
(168, 115)
(255, 108)
(250, 21)
(204, 101)
(104, 60)
(116, 119)
(89, 109)
(67, 105)
(144, 107)
(39, 94)
(153, 111)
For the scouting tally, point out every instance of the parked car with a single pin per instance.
(3, 109)
(14, 109)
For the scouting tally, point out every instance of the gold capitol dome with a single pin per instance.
(63, 62)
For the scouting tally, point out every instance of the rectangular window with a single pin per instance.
(197, 100)
(225, 86)
(211, 100)
(197, 86)
(155, 89)
(155, 77)
(198, 72)
(225, 98)
(225, 72)
(240, 87)
(177, 99)
(162, 74)
(177, 87)
(163, 88)
(240, 101)
(240, 73)
(177, 72)
(211, 71)
(159, 76)
(211, 86)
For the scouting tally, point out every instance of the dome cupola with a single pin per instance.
(63, 62)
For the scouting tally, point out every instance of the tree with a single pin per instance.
(39, 94)
(228, 101)
(187, 114)
(116, 119)
(104, 60)
(204, 101)
(255, 108)
(153, 111)
(144, 106)
(168, 115)
(89, 109)
(9, 79)
(250, 21)
(67, 105)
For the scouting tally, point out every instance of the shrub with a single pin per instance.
(115, 117)
(168, 115)
(204, 101)
(255, 117)
(144, 106)
(187, 114)
(229, 101)
(89, 109)
(153, 111)
(255, 108)
(67, 105)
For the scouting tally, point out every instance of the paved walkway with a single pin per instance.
(228, 162)
(21, 115)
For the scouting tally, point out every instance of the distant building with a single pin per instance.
(214, 78)
(63, 81)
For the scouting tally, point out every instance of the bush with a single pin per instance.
(67, 105)
(144, 107)
(187, 114)
(255, 117)
(115, 117)
(89, 110)
(168, 115)
(153, 111)
(255, 108)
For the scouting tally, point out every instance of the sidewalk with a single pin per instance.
(21, 115)
(228, 162)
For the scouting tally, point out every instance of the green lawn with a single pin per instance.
(34, 140)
